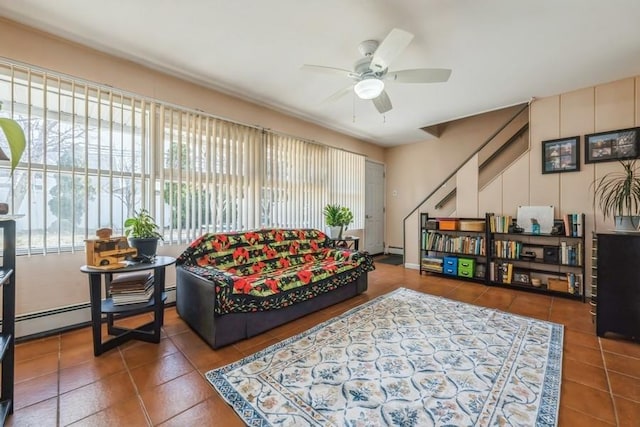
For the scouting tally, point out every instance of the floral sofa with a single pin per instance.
(231, 286)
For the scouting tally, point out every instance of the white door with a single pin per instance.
(374, 208)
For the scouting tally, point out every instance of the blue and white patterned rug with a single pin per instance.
(404, 359)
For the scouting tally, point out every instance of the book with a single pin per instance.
(135, 277)
(131, 288)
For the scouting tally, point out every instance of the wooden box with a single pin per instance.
(447, 224)
(560, 285)
(467, 225)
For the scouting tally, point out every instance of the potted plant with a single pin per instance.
(17, 143)
(337, 219)
(142, 231)
(618, 195)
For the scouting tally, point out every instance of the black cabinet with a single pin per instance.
(618, 291)
(7, 337)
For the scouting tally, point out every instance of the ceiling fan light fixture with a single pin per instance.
(369, 88)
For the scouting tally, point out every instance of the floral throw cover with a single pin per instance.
(270, 269)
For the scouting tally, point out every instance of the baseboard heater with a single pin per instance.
(398, 250)
(51, 322)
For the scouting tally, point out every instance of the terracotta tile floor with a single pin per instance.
(60, 382)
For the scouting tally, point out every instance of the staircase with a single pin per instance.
(458, 194)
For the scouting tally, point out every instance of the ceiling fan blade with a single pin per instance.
(326, 70)
(382, 102)
(339, 94)
(389, 49)
(419, 75)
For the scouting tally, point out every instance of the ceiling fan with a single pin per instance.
(370, 73)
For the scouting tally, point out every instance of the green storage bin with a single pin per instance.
(466, 267)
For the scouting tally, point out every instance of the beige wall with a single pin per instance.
(604, 107)
(609, 106)
(52, 281)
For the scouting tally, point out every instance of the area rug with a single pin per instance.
(403, 359)
(390, 259)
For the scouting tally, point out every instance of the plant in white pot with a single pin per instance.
(16, 142)
(142, 232)
(337, 219)
(618, 195)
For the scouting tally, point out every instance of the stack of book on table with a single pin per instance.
(131, 288)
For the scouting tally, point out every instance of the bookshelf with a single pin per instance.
(490, 250)
(453, 247)
(7, 337)
(539, 262)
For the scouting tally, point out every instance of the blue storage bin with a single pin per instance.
(450, 265)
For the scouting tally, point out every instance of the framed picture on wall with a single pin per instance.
(611, 145)
(561, 155)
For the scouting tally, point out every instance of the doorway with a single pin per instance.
(374, 208)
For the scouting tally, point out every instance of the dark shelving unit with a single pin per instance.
(542, 267)
(569, 250)
(7, 337)
(477, 254)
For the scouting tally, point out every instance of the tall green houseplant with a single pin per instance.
(617, 194)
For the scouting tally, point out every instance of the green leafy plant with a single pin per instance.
(15, 139)
(337, 216)
(618, 193)
(141, 226)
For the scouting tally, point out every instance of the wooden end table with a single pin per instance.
(348, 242)
(149, 332)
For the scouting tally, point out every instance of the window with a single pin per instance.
(95, 154)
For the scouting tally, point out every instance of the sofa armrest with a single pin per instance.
(219, 277)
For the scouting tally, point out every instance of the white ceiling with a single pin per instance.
(502, 52)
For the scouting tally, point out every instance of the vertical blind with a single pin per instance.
(295, 182)
(95, 155)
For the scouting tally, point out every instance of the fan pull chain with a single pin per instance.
(353, 97)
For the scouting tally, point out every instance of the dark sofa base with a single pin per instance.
(195, 298)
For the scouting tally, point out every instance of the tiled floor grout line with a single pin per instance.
(147, 417)
(606, 373)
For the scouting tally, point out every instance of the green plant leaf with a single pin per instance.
(337, 216)
(15, 138)
(618, 193)
(141, 226)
